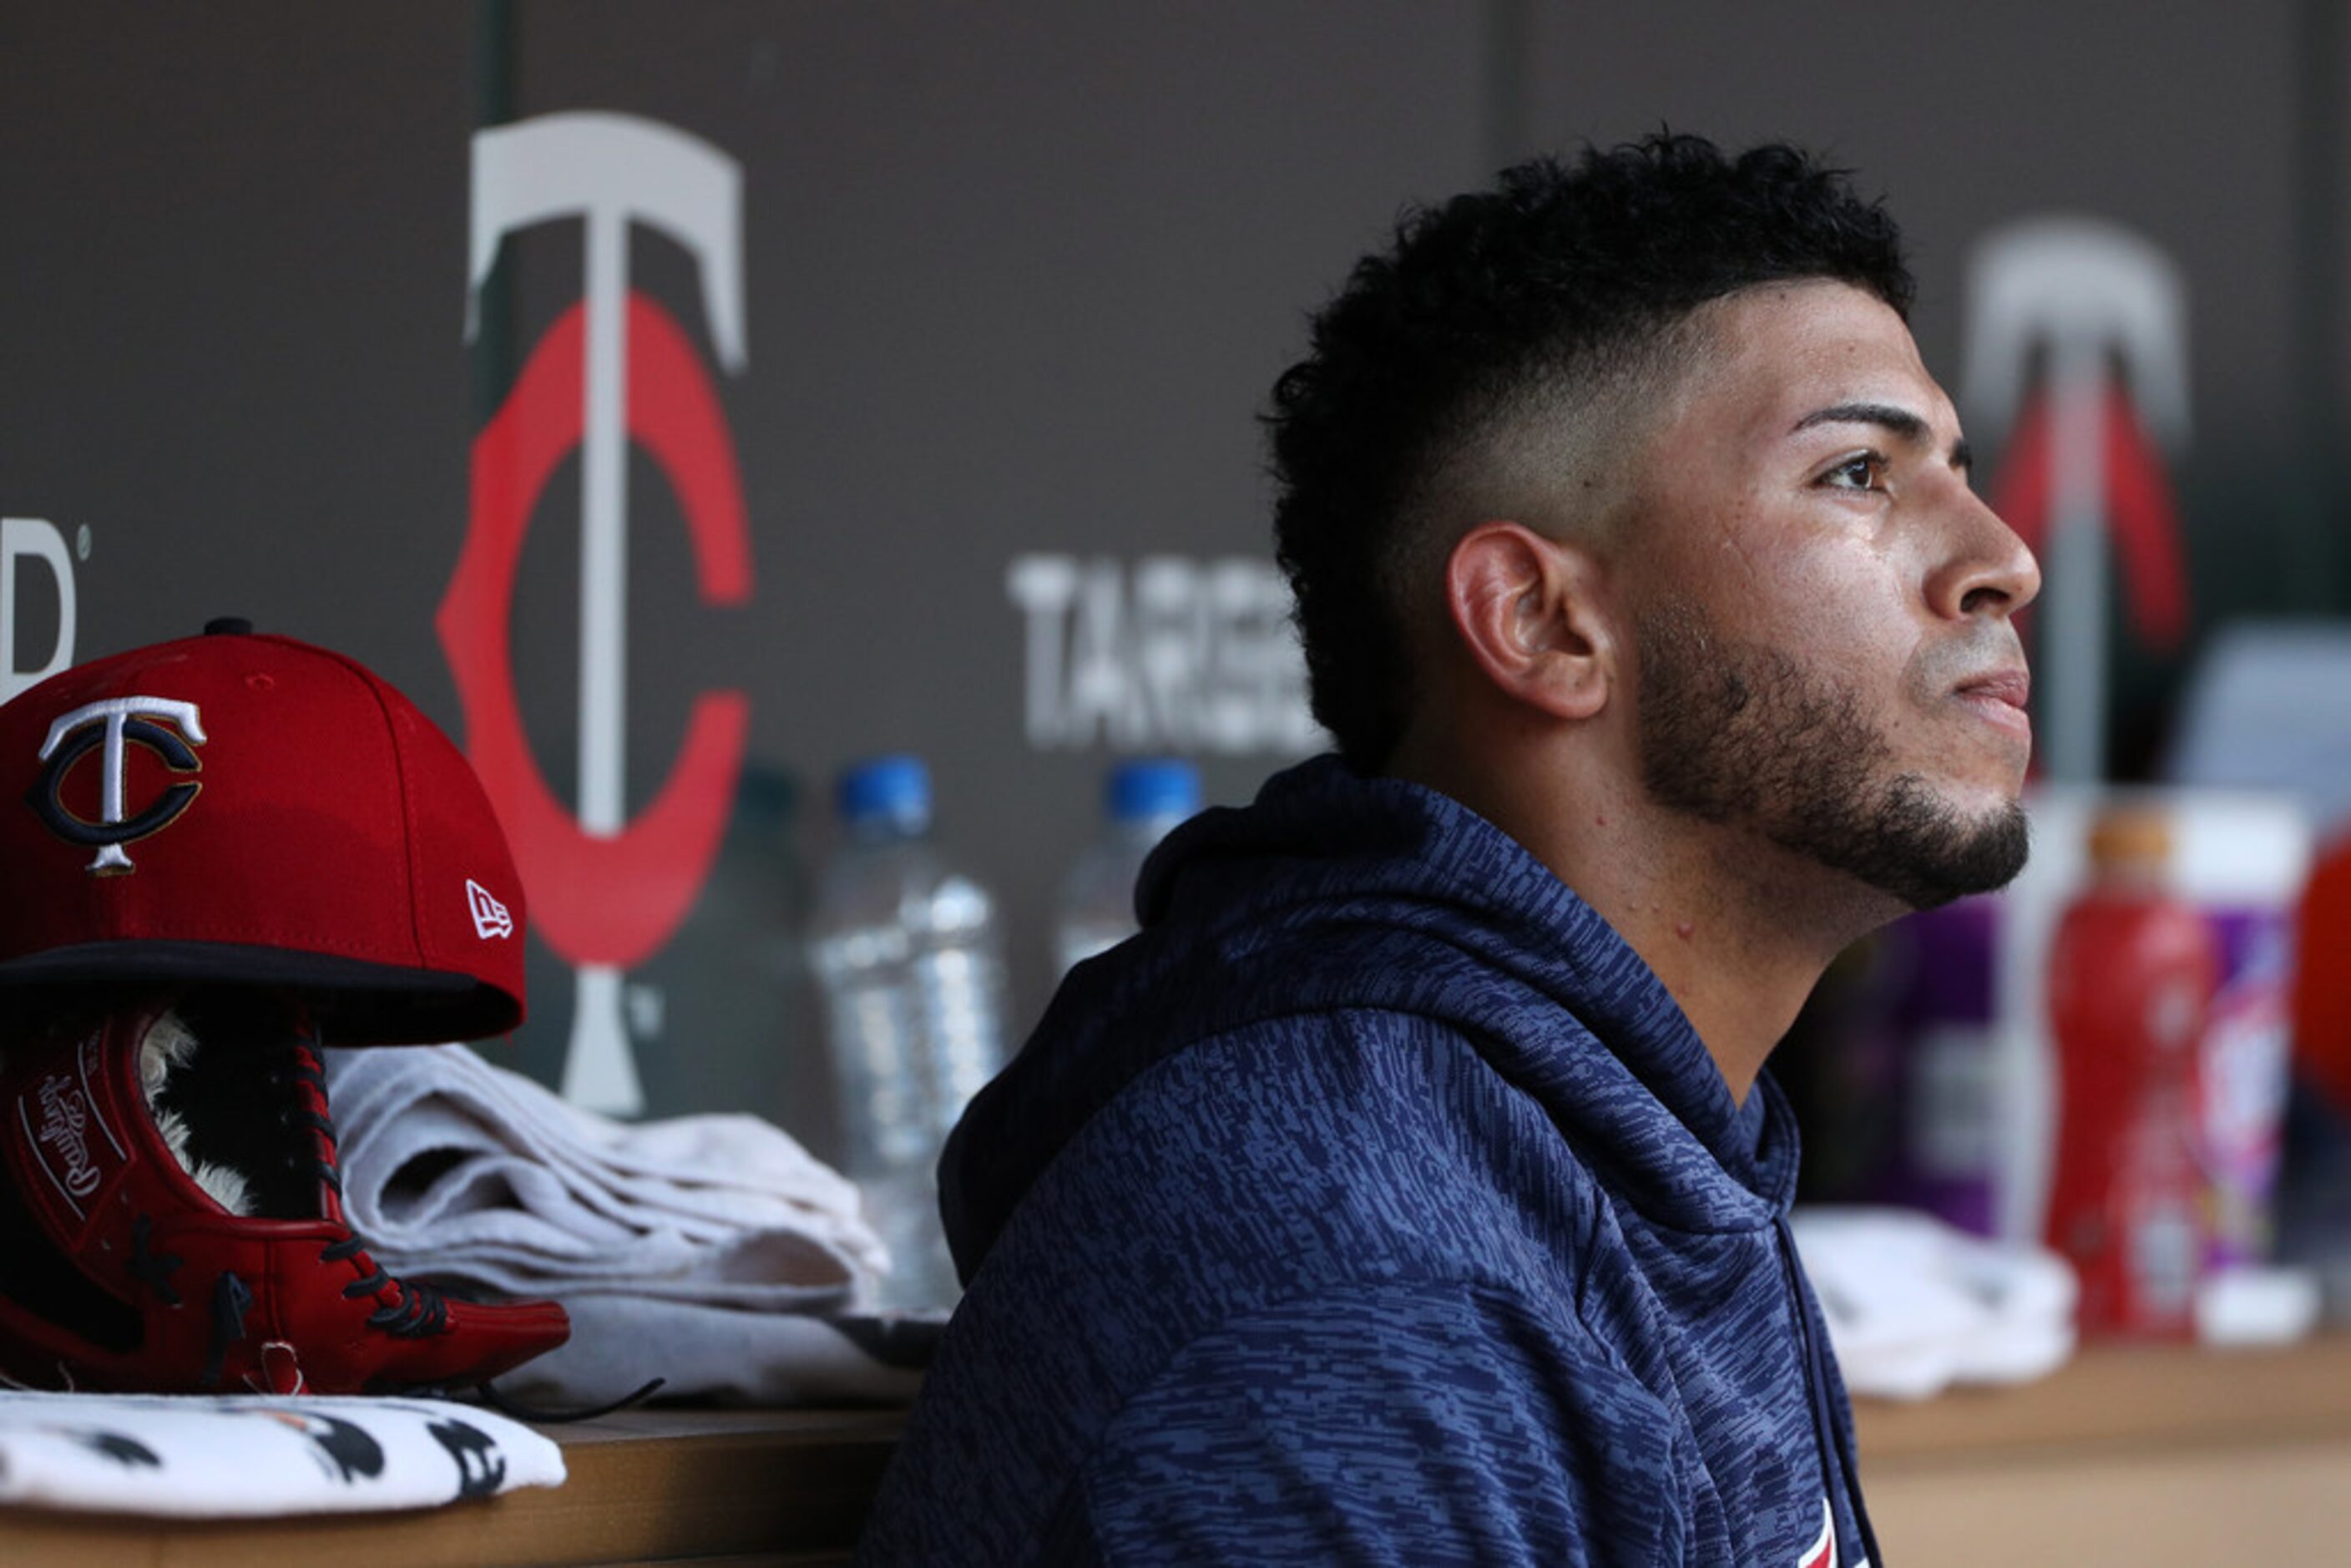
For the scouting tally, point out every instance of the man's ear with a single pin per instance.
(1527, 609)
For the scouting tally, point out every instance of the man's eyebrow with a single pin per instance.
(1900, 422)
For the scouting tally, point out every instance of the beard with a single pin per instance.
(1741, 734)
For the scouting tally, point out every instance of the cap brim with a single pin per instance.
(358, 1003)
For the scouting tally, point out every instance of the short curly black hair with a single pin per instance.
(1527, 296)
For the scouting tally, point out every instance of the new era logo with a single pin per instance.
(490, 916)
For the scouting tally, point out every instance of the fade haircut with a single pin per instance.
(1489, 359)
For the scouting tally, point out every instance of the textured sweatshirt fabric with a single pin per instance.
(1375, 1205)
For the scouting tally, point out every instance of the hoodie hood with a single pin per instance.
(1333, 891)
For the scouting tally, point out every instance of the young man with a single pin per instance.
(1406, 1192)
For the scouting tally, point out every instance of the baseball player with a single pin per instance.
(1409, 1191)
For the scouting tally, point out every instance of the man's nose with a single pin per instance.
(1987, 567)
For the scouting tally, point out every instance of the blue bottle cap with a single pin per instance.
(1153, 787)
(894, 790)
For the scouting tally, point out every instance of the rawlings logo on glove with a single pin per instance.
(64, 1131)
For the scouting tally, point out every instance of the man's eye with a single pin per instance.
(1865, 471)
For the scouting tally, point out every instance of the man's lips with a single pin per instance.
(2001, 698)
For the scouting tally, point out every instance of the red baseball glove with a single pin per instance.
(170, 1221)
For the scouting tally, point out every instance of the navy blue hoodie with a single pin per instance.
(1375, 1205)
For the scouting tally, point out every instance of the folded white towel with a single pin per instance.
(251, 1456)
(1914, 1304)
(677, 1245)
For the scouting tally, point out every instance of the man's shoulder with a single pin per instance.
(1311, 1200)
(1305, 1158)
(1358, 1114)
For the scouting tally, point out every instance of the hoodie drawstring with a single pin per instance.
(1839, 1468)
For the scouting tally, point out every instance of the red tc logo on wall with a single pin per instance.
(607, 891)
(2077, 346)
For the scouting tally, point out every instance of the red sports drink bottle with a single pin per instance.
(2131, 978)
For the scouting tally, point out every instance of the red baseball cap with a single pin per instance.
(252, 810)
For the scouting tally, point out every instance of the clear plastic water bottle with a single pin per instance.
(1143, 799)
(906, 951)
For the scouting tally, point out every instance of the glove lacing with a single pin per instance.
(420, 1310)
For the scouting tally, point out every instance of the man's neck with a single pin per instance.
(1735, 932)
(1738, 930)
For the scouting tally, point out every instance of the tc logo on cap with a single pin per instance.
(111, 724)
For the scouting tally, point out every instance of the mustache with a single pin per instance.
(1938, 667)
